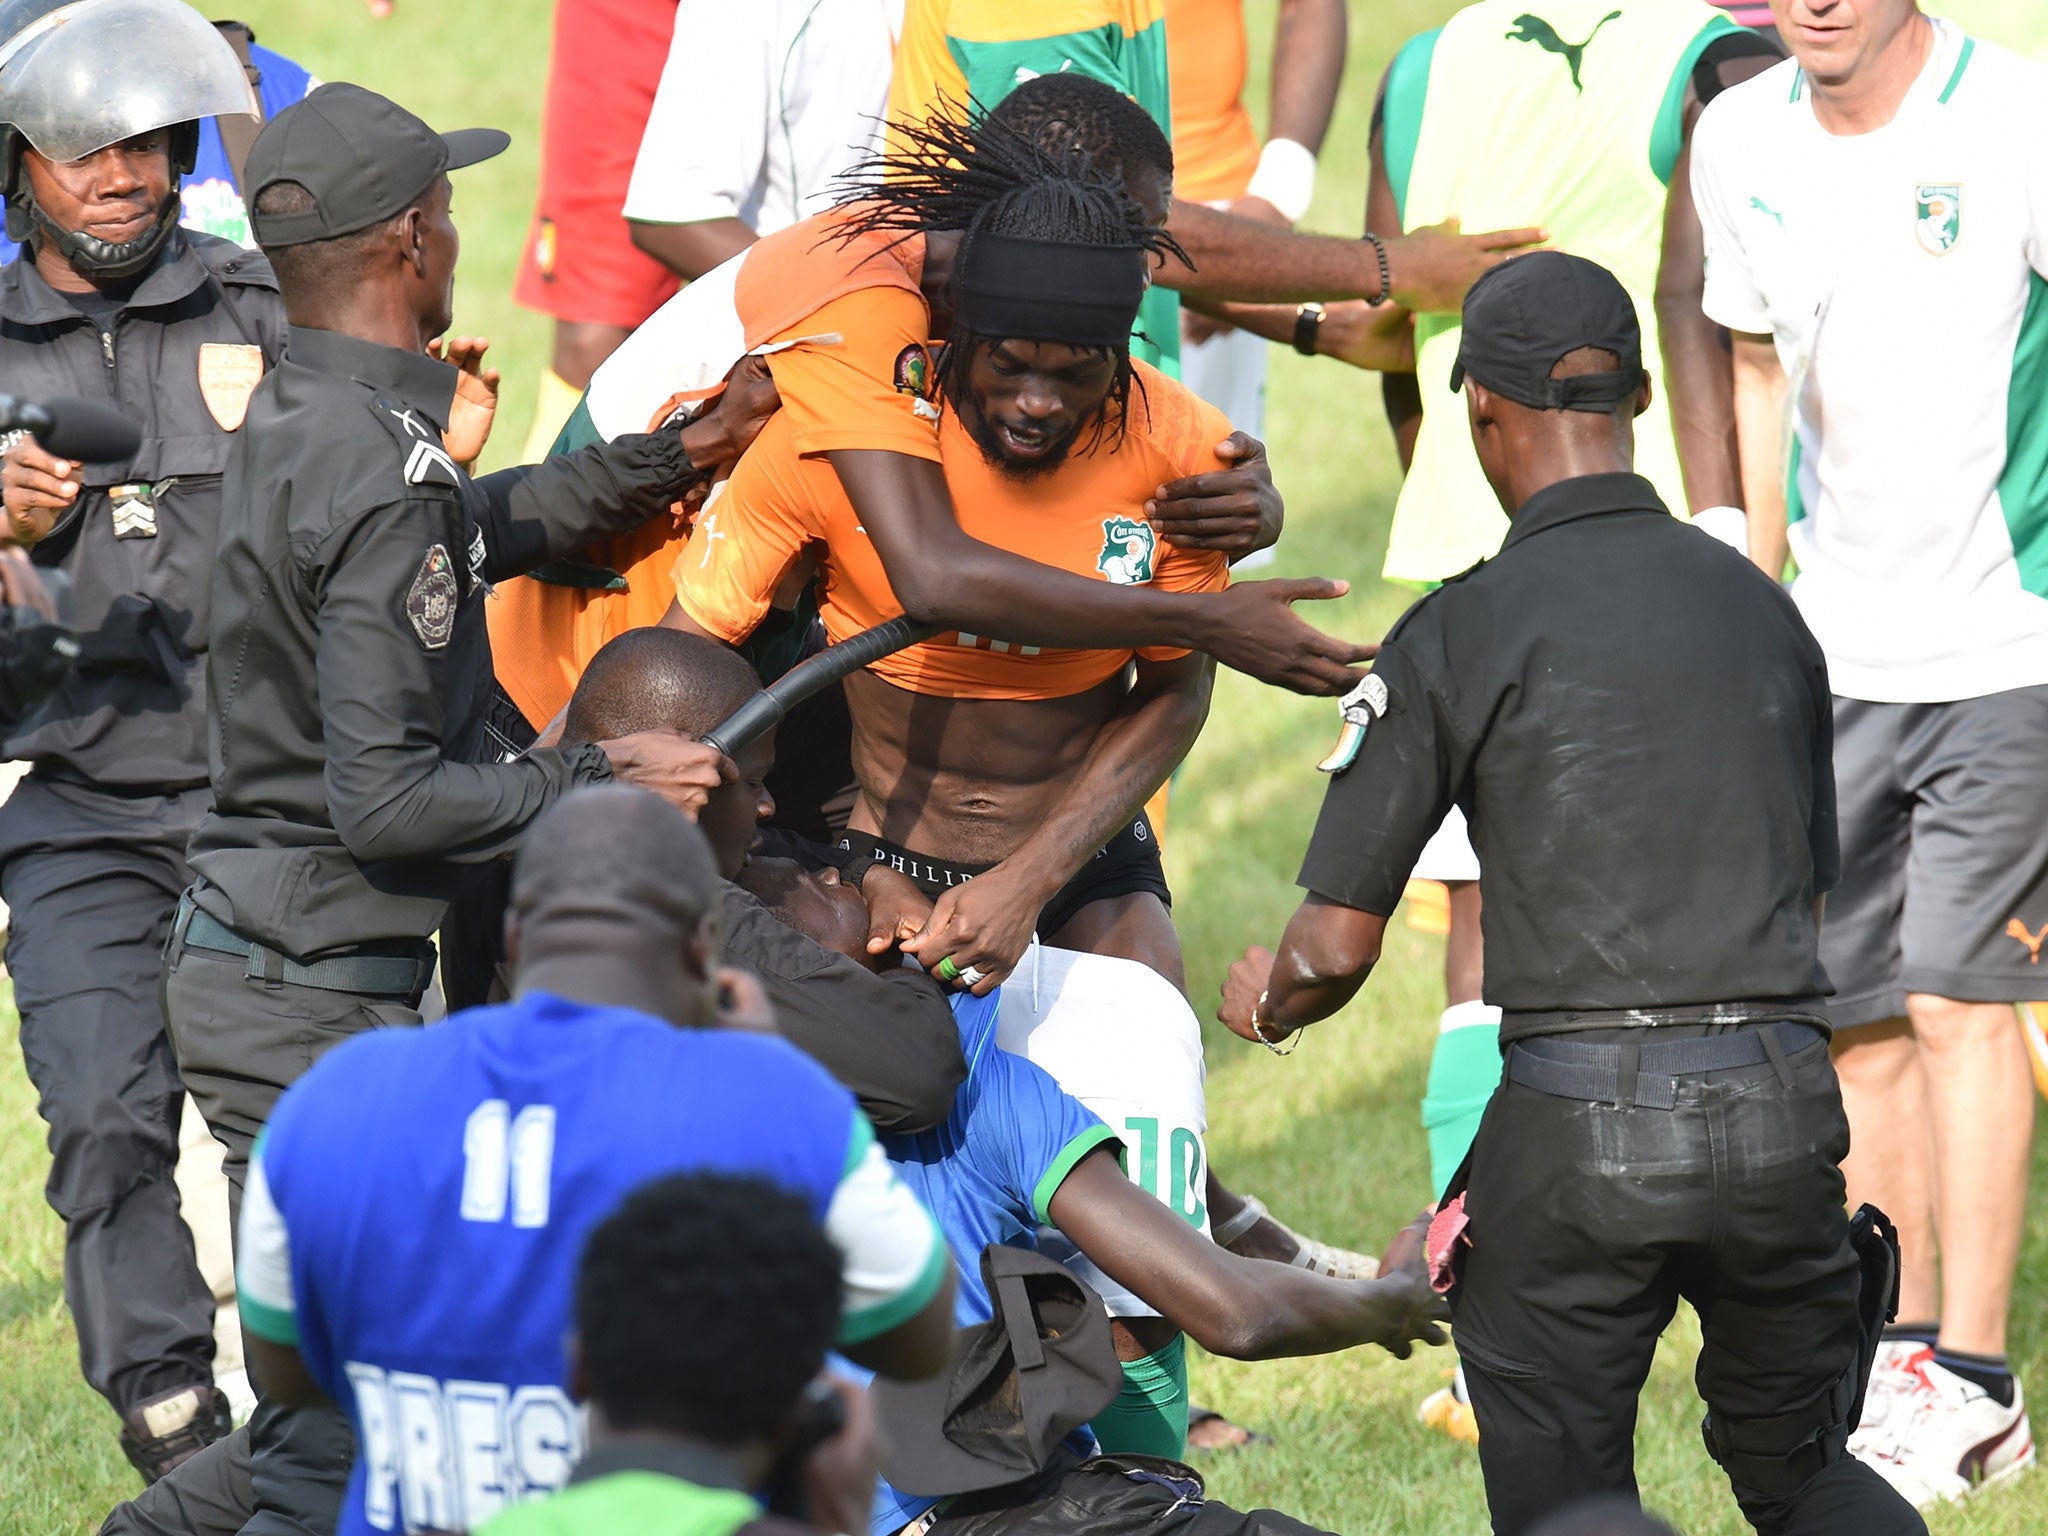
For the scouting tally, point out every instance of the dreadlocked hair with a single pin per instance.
(985, 177)
(943, 171)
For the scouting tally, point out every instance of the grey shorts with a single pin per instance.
(1944, 826)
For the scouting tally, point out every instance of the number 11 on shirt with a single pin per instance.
(507, 1157)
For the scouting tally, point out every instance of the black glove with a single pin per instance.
(34, 656)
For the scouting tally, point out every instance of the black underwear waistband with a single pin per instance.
(934, 875)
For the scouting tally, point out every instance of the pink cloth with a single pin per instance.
(1446, 1232)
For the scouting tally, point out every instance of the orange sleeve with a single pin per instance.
(870, 389)
(747, 539)
(1183, 430)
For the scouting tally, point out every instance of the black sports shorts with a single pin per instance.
(1127, 863)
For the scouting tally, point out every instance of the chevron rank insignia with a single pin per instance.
(1361, 706)
(426, 461)
(134, 508)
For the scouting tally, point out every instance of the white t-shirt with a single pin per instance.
(1119, 1037)
(1904, 276)
(762, 103)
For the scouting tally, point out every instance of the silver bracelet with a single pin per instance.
(1291, 1042)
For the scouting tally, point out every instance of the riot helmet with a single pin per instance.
(79, 75)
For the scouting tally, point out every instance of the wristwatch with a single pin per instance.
(1308, 324)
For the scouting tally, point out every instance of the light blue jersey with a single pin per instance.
(418, 1205)
(989, 1174)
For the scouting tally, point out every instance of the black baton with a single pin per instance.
(766, 709)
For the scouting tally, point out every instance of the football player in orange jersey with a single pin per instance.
(1006, 777)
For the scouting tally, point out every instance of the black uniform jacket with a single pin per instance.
(351, 668)
(179, 361)
(1638, 724)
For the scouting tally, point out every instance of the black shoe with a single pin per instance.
(159, 1434)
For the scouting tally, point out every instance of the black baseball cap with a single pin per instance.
(1037, 1370)
(1524, 315)
(362, 156)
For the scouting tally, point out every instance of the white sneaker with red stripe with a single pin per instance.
(1939, 1436)
(1891, 1384)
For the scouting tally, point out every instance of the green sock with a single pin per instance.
(1150, 1415)
(1463, 1073)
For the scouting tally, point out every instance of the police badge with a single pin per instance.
(431, 600)
(1361, 706)
(228, 375)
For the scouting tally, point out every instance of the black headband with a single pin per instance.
(1048, 290)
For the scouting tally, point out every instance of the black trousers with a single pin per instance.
(241, 1042)
(1589, 1221)
(91, 880)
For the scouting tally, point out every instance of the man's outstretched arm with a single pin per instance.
(943, 576)
(1251, 262)
(1245, 1309)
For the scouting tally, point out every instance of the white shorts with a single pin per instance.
(1448, 854)
(1120, 1038)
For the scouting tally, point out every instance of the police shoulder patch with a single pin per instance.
(1361, 706)
(431, 600)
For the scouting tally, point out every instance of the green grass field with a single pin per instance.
(1329, 1138)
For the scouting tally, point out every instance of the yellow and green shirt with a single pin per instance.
(954, 53)
(1571, 119)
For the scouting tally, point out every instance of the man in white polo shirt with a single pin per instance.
(1876, 216)
(760, 109)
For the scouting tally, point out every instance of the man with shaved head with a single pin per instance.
(889, 1038)
(505, 1135)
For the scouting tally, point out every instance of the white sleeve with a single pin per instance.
(705, 147)
(894, 1255)
(1731, 297)
(2035, 141)
(263, 1262)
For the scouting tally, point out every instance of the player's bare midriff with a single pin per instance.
(967, 780)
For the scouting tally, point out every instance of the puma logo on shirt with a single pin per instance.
(1534, 29)
(2018, 930)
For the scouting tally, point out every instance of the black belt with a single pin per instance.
(1646, 1073)
(1516, 1023)
(374, 975)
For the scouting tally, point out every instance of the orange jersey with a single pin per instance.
(1215, 146)
(1087, 516)
(847, 325)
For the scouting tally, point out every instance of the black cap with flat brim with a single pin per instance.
(362, 156)
(1526, 315)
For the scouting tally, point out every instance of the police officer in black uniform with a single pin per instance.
(111, 301)
(1638, 726)
(350, 669)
